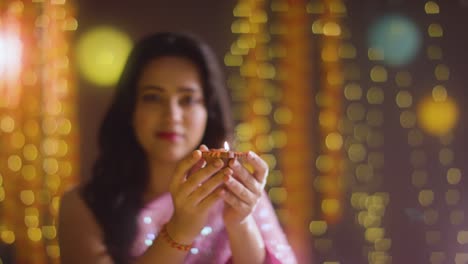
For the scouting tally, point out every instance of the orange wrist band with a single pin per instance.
(165, 235)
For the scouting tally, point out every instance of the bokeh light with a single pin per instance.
(101, 54)
(437, 117)
(397, 37)
(10, 55)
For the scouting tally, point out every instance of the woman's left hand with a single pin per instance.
(244, 188)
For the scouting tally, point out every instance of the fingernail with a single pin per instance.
(218, 163)
(226, 178)
(227, 171)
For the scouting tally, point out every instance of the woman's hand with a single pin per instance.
(243, 189)
(194, 190)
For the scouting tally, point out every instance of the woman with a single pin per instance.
(152, 198)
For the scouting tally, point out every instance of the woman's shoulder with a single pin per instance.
(73, 210)
(73, 204)
(72, 196)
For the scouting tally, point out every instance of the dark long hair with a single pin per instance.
(115, 191)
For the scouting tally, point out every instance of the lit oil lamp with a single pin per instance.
(225, 154)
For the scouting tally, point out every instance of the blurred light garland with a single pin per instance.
(441, 223)
(352, 127)
(326, 27)
(38, 132)
(268, 91)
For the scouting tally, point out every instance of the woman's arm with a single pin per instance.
(246, 242)
(81, 238)
(255, 235)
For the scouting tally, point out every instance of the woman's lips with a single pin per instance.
(170, 136)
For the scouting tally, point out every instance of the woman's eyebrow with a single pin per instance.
(188, 89)
(151, 87)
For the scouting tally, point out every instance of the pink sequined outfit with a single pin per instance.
(212, 245)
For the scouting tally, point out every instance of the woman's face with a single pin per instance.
(170, 115)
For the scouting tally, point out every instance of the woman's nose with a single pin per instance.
(173, 111)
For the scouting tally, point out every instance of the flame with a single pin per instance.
(226, 146)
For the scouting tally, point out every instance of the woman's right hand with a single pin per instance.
(194, 190)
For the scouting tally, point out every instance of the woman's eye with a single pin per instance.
(190, 100)
(148, 98)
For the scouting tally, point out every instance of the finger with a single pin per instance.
(259, 165)
(240, 191)
(200, 164)
(234, 202)
(203, 147)
(209, 186)
(210, 200)
(200, 176)
(184, 167)
(241, 173)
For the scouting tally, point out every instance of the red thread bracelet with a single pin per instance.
(172, 242)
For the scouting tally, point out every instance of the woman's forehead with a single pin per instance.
(171, 73)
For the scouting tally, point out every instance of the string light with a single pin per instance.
(268, 121)
(38, 128)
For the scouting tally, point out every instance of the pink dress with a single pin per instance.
(212, 245)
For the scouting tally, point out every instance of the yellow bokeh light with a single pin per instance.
(374, 233)
(331, 29)
(462, 237)
(317, 26)
(30, 152)
(435, 30)
(14, 163)
(324, 163)
(318, 228)
(35, 234)
(437, 117)
(330, 206)
(27, 197)
(426, 197)
(101, 54)
(453, 175)
(17, 139)
(375, 95)
(7, 236)
(357, 152)
(53, 251)
(334, 141)
(283, 115)
(378, 74)
(7, 124)
(439, 93)
(28, 172)
(353, 91)
(404, 99)
(431, 7)
(375, 54)
(278, 194)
